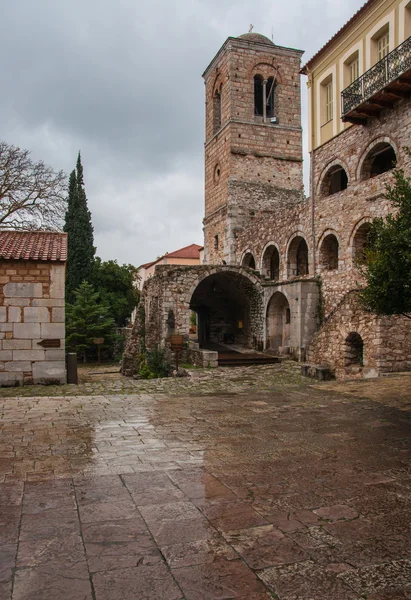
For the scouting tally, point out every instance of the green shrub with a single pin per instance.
(157, 362)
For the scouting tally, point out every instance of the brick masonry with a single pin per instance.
(31, 310)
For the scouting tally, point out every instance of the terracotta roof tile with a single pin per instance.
(33, 245)
(192, 251)
(342, 30)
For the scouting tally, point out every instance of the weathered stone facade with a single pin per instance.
(31, 311)
(288, 266)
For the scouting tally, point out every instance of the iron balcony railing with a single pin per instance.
(385, 71)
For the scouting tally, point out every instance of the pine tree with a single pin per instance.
(78, 225)
(88, 319)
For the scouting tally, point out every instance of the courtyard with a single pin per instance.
(248, 483)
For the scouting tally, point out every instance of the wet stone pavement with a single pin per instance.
(209, 492)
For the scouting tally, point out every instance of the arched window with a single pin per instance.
(360, 242)
(329, 253)
(335, 180)
(297, 262)
(258, 95)
(271, 263)
(249, 261)
(264, 96)
(354, 350)
(380, 159)
(217, 110)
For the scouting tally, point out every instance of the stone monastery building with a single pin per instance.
(280, 270)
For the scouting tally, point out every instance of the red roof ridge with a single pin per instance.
(342, 29)
(190, 251)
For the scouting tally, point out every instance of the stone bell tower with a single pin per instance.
(253, 136)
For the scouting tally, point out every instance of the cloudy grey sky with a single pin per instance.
(121, 80)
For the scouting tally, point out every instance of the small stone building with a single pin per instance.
(32, 319)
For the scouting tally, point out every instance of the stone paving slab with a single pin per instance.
(294, 492)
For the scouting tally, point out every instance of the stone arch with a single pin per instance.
(278, 322)
(297, 256)
(229, 307)
(267, 70)
(329, 246)
(270, 262)
(334, 178)
(359, 239)
(353, 351)
(248, 260)
(377, 148)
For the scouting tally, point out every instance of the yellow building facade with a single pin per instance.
(368, 38)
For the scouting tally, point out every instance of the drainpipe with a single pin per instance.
(312, 186)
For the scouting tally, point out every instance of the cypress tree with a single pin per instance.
(81, 250)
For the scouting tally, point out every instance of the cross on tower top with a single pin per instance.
(251, 29)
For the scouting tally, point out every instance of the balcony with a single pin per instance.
(379, 87)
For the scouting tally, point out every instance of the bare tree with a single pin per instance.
(32, 195)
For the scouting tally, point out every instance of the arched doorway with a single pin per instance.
(360, 243)
(249, 261)
(271, 263)
(354, 351)
(297, 262)
(229, 309)
(278, 322)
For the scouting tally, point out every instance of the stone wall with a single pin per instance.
(387, 341)
(168, 299)
(31, 310)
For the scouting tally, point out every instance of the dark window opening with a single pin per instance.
(302, 258)
(380, 159)
(336, 180)
(216, 242)
(354, 350)
(297, 258)
(329, 253)
(360, 243)
(258, 96)
(271, 263)
(249, 261)
(217, 111)
(287, 316)
(264, 94)
(383, 162)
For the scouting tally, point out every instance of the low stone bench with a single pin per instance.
(320, 372)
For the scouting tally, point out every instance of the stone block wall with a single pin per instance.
(386, 341)
(31, 310)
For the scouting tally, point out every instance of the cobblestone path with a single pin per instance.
(249, 485)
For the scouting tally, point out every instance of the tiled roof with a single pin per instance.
(192, 251)
(355, 16)
(147, 265)
(33, 245)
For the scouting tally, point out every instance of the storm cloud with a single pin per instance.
(121, 81)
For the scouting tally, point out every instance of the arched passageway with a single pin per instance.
(229, 309)
(297, 262)
(354, 350)
(271, 263)
(278, 322)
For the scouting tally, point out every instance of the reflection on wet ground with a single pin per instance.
(296, 493)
